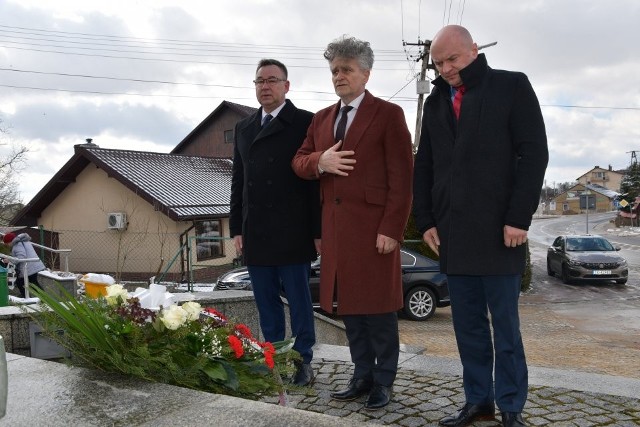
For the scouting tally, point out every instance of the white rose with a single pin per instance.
(193, 310)
(115, 291)
(173, 317)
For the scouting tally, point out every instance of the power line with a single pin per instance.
(145, 81)
(193, 61)
(593, 107)
(95, 92)
(179, 51)
(87, 76)
(159, 41)
(400, 90)
(461, 10)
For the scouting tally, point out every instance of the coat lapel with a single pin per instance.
(364, 118)
(276, 125)
(251, 128)
(326, 138)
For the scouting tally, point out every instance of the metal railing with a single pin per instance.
(25, 275)
(63, 253)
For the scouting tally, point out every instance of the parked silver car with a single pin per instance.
(586, 257)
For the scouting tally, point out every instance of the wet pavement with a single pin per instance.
(583, 350)
(429, 388)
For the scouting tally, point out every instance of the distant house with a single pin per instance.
(576, 199)
(133, 214)
(607, 178)
(213, 137)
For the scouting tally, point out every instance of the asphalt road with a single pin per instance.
(592, 327)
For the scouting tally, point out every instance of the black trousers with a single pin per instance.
(374, 344)
(33, 279)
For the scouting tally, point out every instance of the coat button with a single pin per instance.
(337, 200)
(250, 183)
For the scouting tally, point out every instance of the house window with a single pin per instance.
(599, 175)
(209, 241)
(228, 136)
(565, 207)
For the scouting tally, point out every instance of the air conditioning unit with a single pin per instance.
(117, 220)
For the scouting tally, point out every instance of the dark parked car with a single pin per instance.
(586, 257)
(424, 287)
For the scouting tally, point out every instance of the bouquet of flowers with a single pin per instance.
(181, 345)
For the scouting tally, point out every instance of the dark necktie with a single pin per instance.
(266, 120)
(342, 124)
(457, 100)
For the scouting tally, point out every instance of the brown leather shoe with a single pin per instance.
(357, 387)
(512, 419)
(468, 414)
(379, 397)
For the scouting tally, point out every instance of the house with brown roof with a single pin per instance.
(607, 178)
(138, 214)
(577, 198)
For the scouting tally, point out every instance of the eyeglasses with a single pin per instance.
(270, 81)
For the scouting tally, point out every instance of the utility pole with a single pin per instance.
(423, 85)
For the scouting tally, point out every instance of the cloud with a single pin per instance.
(150, 71)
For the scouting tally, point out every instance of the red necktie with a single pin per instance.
(457, 100)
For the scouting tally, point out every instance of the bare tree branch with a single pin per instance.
(11, 165)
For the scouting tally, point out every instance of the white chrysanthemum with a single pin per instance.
(193, 310)
(115, 291)
(173, 317)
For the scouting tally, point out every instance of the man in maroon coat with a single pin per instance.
(364, 163)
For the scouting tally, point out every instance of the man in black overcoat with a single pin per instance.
(275, 216)
(478, 175)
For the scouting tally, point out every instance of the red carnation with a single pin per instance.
(269, 352)
(236, 345)
(243, 330)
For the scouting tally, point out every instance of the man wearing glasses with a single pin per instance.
(275, 216)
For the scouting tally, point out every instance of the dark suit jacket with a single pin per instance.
(374, 199)
(277, 213)
(474, 176)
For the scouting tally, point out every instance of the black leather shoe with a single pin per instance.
(304, 375)
(379, 397)
(512, 419)
(468, 414)
(357, 387)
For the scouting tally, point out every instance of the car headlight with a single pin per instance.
(574, 262)
(238, 281)
(239, 285)
(623, 262)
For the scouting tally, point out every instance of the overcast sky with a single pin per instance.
(142, 74)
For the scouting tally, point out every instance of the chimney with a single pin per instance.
(87, 144)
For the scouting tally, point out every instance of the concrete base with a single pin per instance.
(43, 393)
(51, 281)
(236, 305)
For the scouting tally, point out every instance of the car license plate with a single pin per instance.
(601, 272)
